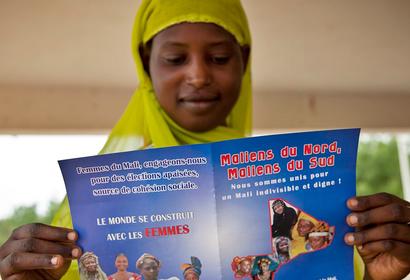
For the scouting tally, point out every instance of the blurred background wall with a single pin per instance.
(66, 66)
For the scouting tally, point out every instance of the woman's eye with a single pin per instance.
(220, 59)
(174, 60)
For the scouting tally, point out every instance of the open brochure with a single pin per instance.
(253, 208)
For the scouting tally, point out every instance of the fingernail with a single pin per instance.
(353, 202)
(75, 252)
(54, 260)
(71, 236)
(350, 238)
(360, 247)
(353, 219)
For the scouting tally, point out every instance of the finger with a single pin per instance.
(362, 203)
(32, 245)
(396, 232)
(18, 262)
(46, 232)
(16, 277)
(395, 212)
(396, 248)
(19, 276)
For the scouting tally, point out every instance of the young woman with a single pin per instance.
(90, 268)
(192, 64)
(265, 270)
(121, 263)
(284, 219)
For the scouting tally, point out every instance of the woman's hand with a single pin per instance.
(38, 251)
(382, 234)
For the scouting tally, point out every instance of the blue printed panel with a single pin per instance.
(312, 172)
(158, 201)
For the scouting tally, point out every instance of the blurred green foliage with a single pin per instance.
(378, 167)
(23, 215)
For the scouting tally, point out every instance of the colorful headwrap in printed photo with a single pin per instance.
(268, 259)
(141, 260)
(236, 266)
(238, 260)
(321, 229)
(195, 266)
(307, 218)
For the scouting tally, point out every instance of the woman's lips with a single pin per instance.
(199, 104)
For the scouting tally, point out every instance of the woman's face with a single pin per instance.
(90, 264)
(317, 242)
(278, 208)
(121, 263)
(245, 266)
(150, 269)
(196, 71)
(283, 246)
(304, 227)
(264, 267)
(191, 275)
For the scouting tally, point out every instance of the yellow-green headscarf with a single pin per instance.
(144, 123)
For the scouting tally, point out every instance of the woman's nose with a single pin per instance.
(198, 73)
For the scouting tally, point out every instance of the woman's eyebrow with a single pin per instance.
(173, 44)
(225, 42)
(222, 43)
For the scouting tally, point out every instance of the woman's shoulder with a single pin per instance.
(131, 275)
(135, 276)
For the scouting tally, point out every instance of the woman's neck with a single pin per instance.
(121, 275)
